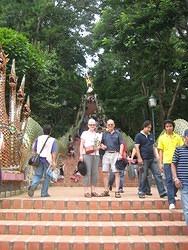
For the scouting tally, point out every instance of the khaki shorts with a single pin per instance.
(108, 161)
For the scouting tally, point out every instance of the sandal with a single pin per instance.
(117, 195)
(105, 194)
(87, 195)
(94, 194)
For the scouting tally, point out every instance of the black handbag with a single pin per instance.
(121, 164)
(35, 158)
(81, 167)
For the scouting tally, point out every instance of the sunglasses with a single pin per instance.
(91, 124)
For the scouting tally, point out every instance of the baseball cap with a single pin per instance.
(185, 133)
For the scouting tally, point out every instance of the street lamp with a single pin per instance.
(152, 103)
(64, 103)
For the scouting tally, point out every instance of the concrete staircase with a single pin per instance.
(68, 221)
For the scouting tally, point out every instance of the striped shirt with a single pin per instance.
(180, 159)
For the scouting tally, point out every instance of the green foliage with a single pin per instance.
(46, 82)
(56, 29)
(145, 52)
(18, 47)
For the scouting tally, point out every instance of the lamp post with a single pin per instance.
(64, 103)
(152, 103)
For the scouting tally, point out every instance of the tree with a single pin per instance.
(57, 29)
(141, 35)
(43, 80)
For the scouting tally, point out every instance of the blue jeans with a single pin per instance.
(153, 166)
(40, 171)
(147, 188)
(112, 178)
(184, 201)
(171, 189)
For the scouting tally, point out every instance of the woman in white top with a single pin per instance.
(89, 153)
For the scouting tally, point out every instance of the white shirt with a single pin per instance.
(46, 152)
(91, 139)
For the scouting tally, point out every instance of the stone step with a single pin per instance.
(91, 215)
(86, 203)
(119, 228)
(30, 242)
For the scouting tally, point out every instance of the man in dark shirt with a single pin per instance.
(112, 143)
(147, 159)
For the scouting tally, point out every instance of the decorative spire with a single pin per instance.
(26, 108)
(12, 77)
(13, 72)
(23, 83)
(20, 93)
(3, 61)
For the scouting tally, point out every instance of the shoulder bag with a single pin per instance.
(34, 160)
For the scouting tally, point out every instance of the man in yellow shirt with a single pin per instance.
(167, 144)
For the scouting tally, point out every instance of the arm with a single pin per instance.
(102, 145)
(81, 150)
(54, 157)
(140, 160)
(161, 159)
(54, 154)
(156, 153)
(177, 182)
(122, 146)
(121, 151)
(174, 163)
(133, 154)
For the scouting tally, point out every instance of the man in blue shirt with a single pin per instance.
(113, 144)
(147, 159)
(179, 169)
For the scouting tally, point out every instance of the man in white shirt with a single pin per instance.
(47, 158)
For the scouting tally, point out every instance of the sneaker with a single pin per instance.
(30, 191)
(110, 188)
(46, 195)
(163, 195)
(149, 193)
(172, 206)
(121, 190)
(141, 195)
